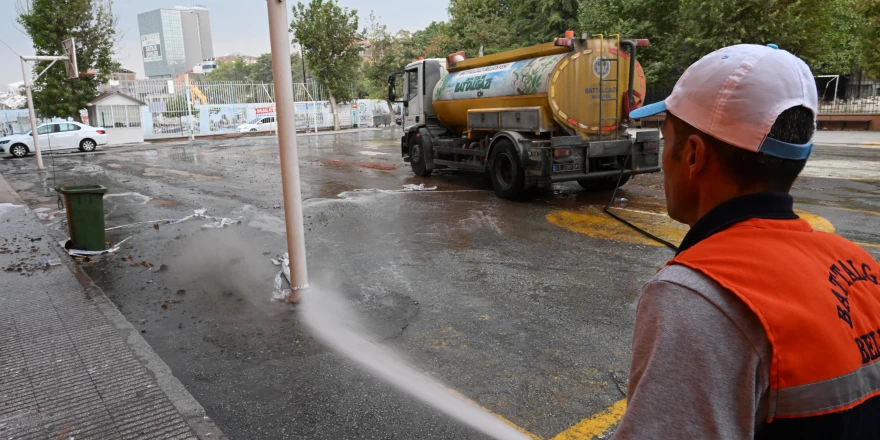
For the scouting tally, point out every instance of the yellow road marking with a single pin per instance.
(595, 425)
(868, 245)
(498, 416)
(862, 211)
(871, 144)
(595, 223)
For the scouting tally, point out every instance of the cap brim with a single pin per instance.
(648, 110)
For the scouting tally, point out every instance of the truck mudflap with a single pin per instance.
(569, 158)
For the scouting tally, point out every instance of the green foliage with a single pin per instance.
(869, 36)
(822, 32)
(328, 35)
(667, 56)
(434, 41)
(259, 72)
(93, 25)
(540, 21)
(388, 54)
(839, 47)
(476, 23)
(794, 25)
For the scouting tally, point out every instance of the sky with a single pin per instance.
(236, 25)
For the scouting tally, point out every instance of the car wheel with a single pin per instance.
(506, 172)
(19, 150)
(87, 145)
(253, 129)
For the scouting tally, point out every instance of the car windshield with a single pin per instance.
(255, 120)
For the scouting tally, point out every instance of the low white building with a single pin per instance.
(120, 114)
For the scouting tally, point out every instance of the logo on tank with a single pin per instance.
(601, 67)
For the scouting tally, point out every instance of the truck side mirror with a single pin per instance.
(392, 87)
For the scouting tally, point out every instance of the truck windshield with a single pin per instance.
(412, 80)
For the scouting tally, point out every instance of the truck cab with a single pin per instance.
(416, 86)
(530, 117)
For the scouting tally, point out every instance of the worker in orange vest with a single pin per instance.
(760, 327)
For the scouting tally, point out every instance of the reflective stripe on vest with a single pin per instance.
(818, 298)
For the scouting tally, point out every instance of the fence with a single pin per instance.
(175, 108)
(837, 95)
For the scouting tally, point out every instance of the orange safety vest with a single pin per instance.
(818, 297)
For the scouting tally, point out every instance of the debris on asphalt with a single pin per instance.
(419, 187)
(282, 278)
(127, 257)
(221, 223)
(79, 253)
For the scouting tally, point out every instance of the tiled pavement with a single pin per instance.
(68, 367)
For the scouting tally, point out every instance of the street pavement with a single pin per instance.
(524, 308)
(72, 366)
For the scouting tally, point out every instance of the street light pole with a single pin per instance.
(285, 112)
(31, 114)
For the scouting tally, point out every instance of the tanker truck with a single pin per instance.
(529, 117)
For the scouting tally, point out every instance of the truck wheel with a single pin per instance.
(600, 184)
(506, 172)
(417, 158)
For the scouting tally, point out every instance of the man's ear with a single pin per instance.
(696, 155)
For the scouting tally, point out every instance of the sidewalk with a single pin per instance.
(71, 366)
(865, 139)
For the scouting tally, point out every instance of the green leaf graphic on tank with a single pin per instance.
(525, 77)
(438, 92)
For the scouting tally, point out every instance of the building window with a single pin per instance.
(119, 116)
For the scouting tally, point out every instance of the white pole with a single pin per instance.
(31, 114)
(189, 106)
(285, 118)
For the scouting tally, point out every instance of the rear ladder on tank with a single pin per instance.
(603, 81)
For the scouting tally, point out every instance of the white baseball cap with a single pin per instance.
(736, 93)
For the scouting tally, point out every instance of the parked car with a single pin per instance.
(55, 136)
(260, 123)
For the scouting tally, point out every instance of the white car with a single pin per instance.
(260, 123)
(55, 136)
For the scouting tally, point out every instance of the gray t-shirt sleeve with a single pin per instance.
(700, 362)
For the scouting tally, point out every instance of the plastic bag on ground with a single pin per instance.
(282, 278)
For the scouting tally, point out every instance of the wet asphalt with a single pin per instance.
(529, 320)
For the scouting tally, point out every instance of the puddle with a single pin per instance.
(165, 203)
(139, 198)
(369, 165)
(160, 172)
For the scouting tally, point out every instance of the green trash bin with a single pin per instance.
(85, 216)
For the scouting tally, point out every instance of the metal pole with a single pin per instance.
(285, 117)
(189, 106)
(31, 114)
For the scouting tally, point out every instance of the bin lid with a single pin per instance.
(83, 189)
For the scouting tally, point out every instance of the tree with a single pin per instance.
(480, 23)
(236, 71)
(388, 54)
(793, 25)
(666, 58)
(258, 72)
(869, 36)
(328, 35)
(434, 41)
(840, 45)
(93, 25)
(540, 21)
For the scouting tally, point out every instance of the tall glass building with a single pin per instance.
(174, 41)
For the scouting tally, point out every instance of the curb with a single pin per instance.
(190, 409)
